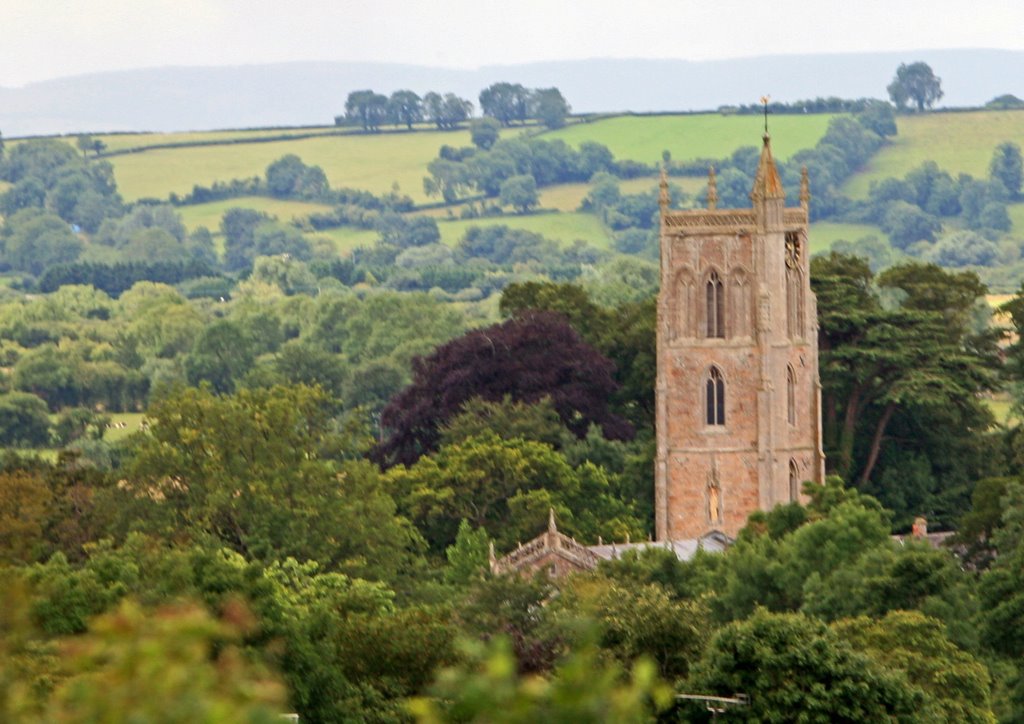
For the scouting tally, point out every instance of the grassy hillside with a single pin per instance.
(346, 238)
(209, 215)
(825, 233)
(563, 227)
(957, 142)
(643, 138)
(568, 197)
(371, 162)
(131, 422)
(376, 162)
(122, 141)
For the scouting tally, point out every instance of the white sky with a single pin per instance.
(42, 39)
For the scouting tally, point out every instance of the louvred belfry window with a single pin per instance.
(715, 398)
(715, 306)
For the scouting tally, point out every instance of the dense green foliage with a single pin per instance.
(239, 554)
(371, 110)
(915, 83)
(814, 609)
(903, 366)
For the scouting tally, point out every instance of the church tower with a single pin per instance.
(738, 394)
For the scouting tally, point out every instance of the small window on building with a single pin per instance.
(715, 398)
(794, 481)
(715, 306)
(790, 395)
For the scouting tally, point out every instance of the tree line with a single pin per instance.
(508, 103)
(359, 582)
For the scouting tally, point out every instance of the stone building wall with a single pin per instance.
(738, 395)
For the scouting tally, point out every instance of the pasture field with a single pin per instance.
(957, 142)
(130, 420)
(371, 162)
(561, 227)
(114, 433)
(823, 234)
(122, 424)
(1016, 212)
(444, 212)
(346, 238)
(568, 197)
(209, 215)
(123, 141)
(710, 135)
(1001, 408)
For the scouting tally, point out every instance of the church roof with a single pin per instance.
(547, 544)
(767, 183)
(552, 543)
(683, 549)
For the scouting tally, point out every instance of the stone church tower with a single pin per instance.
(738, 395)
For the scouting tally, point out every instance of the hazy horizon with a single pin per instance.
(50, 39)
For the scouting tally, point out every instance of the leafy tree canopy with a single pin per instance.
(788, 663)
(527, 358)
(915, 83)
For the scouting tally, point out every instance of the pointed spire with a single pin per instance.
(712, 189)
(663, 197)
(767, 184)
(551, 521)
(805, 189)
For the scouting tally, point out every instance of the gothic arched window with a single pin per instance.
(790, 395)
(794, 481)
(714, 398)
(715, 306)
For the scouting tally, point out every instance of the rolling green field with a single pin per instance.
(564, 227)
(346, 238)
(643, 138)
(122, 141)
(131, 422)
(1016, 212)
(823, 234)
(371, 162)
(114, 433)
(209, 215)
(568, 226)
(561, 227)
(957, 142)
(568, 197)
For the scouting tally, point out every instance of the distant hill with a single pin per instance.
(288, 94)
